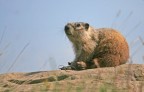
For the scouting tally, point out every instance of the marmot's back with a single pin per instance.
(112, 49)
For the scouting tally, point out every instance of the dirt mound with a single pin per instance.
(122, 78)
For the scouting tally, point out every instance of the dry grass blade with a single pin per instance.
(126, 20)
(1, 39)
(134, 28)
(141, 40)
(18, 56)
(134, 42)
(136, 51)
(116, 17)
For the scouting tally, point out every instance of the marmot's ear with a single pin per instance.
(86, 26)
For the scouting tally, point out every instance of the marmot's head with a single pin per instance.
(77, 31)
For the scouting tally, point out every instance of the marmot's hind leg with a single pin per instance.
(81, 65)
(109, 60)
(93, 64)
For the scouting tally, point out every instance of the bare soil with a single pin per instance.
(124, 78)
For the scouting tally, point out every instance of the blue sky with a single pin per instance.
(32, 36)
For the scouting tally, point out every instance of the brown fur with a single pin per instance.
(104, 47)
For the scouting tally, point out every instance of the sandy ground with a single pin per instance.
(124, 78)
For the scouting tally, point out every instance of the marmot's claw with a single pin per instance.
(69, 63)
(66, 68)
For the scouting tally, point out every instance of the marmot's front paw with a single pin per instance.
(81, 65)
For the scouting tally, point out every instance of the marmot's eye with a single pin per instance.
(77, 25)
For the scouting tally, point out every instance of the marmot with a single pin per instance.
(104, 47)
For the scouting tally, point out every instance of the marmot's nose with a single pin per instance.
(66, 28)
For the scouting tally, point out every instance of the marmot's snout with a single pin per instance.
(67, 30)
